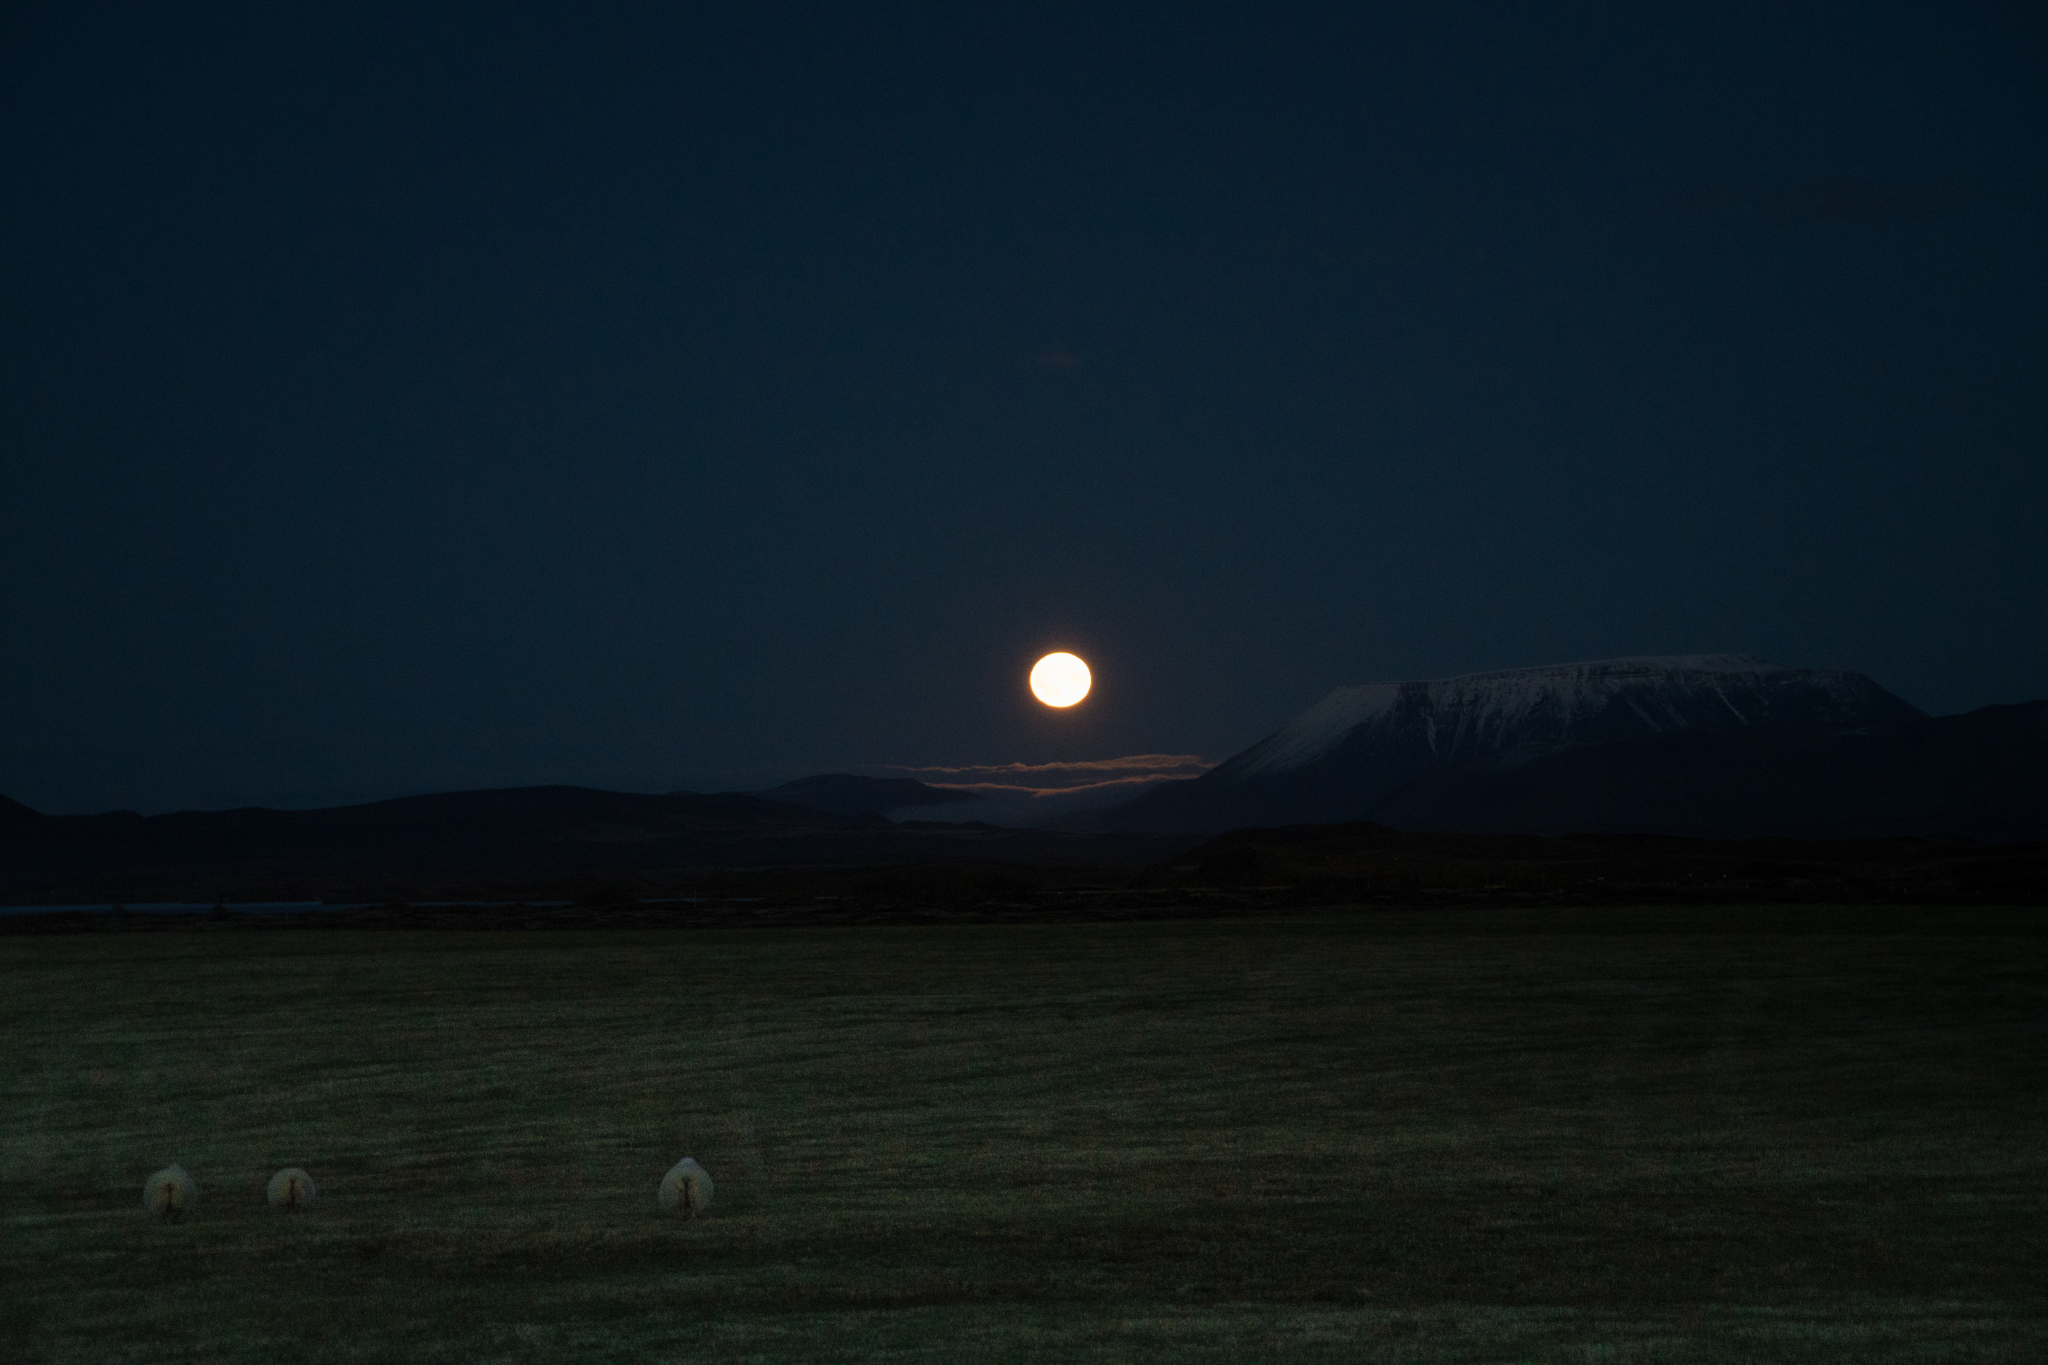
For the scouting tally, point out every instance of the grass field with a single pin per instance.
(1381, 1137)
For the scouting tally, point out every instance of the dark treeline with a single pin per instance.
(1311, 867)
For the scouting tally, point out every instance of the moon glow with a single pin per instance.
(1060, 680)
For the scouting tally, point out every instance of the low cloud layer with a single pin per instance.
(1055, 777)
(1031, 794)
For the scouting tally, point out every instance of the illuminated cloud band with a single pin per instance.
(1039, 779)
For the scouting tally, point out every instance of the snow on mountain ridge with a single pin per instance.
(1475, 714)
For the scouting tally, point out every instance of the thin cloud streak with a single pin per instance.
(1118, 786)
(1061, 777)
(1038, 794)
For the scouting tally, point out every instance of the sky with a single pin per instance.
(413, 397)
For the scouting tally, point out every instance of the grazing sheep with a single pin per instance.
(170, 1193)
(686, 1188)
(292, 1188)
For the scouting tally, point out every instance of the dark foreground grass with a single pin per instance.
(1350, 1138)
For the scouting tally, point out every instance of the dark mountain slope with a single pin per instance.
(1983, 775)
(14, 813)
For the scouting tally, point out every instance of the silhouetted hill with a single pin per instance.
(1705, 745)
(847, 794)
(506, 834)
(13, 812)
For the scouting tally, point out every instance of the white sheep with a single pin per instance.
(686, 1188)
(292, 1188)
(170, 1193)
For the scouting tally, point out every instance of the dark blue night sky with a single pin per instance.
(404, 398)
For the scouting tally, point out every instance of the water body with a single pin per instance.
(257, 907)
(180, 908)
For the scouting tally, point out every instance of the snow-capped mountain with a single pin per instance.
(1516, 710)
(1361, 745)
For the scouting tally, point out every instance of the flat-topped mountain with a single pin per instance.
(1616, 744)
(1515, 711)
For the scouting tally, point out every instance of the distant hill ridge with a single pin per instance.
(848, 794)
(507, 832)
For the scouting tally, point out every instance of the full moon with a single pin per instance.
(1060, 680)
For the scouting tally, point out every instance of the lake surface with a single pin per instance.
(245, 907)
(178, 908)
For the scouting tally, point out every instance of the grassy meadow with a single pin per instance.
(1814, 1135)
